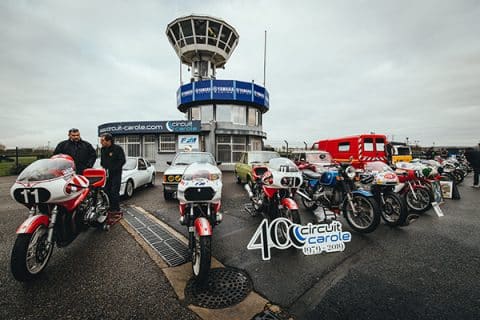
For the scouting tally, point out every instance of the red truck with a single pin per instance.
(362, 148)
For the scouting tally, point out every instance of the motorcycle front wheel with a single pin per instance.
(290, 214)
(30, 254)
(394, 209)
(201, 258)
(366, 218)
(420, 201)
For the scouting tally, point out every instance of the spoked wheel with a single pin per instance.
(394, 210)
(282, 230)
(366, 217)
(201, 258)
(103, 204)
(30, 254)
(459, 176)
(420, 201)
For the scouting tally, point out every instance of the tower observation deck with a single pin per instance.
(230, 111)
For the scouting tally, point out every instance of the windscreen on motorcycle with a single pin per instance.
(47, 169)
(283, 165)
(377, 166)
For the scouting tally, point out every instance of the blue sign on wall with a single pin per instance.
(222, 90)
(150, 127)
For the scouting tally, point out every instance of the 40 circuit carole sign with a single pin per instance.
(150, 127)
(311, 239)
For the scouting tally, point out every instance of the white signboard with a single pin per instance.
(311, 239)
(188, 142)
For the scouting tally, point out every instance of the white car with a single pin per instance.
(136, 172)
(173, 174)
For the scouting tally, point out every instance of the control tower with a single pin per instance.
(230, 111)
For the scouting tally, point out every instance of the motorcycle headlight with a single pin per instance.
(350, 172)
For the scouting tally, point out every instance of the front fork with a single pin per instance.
(348, 192)
(51, 225)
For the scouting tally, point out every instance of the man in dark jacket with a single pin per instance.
(112, 159)
(473, 157)
(81, 151)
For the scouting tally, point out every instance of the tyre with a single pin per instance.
(129, 189)
(167, 195)
(201, 258)
(394, 209)
(282, 231)
(367, 216)
(102, 207)
(459, 176)
(30, 254)
(419, 202)
(152, 181)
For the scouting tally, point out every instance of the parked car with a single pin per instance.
(318, 160)
(136, 172)
(243, 168)
(173, 174)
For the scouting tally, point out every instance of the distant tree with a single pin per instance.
(2, 147)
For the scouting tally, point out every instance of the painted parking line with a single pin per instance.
(156, 238)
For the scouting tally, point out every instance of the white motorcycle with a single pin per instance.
(199, 193)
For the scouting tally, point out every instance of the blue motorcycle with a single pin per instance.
(335, 191)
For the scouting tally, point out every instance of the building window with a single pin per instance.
(239, 115)
(195, 113)
(167, 143)
(252, 116)
(129, 144)
(149, 147)
(223, 113)
(206, 113)
(255, 144)
(230, 148)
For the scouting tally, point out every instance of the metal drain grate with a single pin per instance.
(172, 250)
(226, 287)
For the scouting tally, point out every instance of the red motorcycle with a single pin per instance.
(61, 204)
(417, 195)
(272, 190)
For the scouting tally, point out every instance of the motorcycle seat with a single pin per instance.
(312, 174)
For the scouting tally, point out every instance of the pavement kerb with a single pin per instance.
(179, 276)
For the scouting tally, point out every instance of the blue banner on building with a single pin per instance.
(223, 90)
(150, 127)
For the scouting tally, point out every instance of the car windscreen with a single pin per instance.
(403, 151)
(130, 164)
(189, 158)
(46, 169)
(261, 157)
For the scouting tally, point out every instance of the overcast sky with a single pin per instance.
(334, 68)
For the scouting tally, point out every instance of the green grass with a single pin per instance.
(5, 167)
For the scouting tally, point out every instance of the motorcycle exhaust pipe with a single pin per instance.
(303, 195)
(249, 191)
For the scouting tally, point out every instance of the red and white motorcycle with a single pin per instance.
(61, 204)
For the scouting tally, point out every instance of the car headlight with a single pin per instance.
(350, 172)
(214, 176)
(177, 178)
(170, 178)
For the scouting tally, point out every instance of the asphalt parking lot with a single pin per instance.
(428, 270)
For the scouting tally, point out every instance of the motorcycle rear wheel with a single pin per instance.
(201, 258)
(367, 217)
(422, 202)
(30, 254)
(394, 210)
